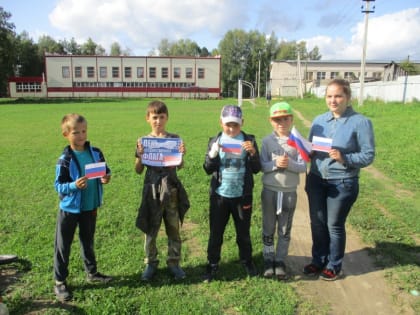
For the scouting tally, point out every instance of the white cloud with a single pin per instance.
(390, 37)
(141, 25)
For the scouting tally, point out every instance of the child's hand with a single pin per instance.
(140, 149)
(105, 179)
(82, 182)
(182, 148)
(282, 161)
(248, 147)
(214, 151)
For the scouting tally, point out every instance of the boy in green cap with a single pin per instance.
(281, 165)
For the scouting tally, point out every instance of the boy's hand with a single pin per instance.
(282, 161)
(214, 151)
(105, 179)
(82, 182)
(182, 148)
(140, 149)
(248, 147)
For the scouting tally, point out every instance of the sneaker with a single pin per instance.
(311, 270)
(330, 274)
(280, 270)
(250, 268)
(268, 269)
(211, 272)
(62, 293)
(149, 272)
(177, 271)
(98, 277)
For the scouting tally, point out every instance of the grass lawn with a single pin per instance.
(386, 213)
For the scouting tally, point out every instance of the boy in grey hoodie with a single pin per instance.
(281, 165)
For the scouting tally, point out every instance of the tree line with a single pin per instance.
(245, 54)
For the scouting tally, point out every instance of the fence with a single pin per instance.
(405, 89)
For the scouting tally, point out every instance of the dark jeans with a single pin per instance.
(330, 202)
(220, 210)
(64, 234)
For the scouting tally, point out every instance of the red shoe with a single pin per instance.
(329, 274)
(311, 270)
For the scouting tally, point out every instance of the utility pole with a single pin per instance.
(365, 10)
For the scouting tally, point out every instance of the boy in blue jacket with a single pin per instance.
(80, 198)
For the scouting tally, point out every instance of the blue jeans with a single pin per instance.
(330, 202)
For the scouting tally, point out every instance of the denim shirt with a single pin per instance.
(352, 135)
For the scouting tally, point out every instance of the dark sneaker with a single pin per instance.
(149, 272)
(311, 270)
(211, 272)
(329, 274)
(250, 269)
(98, 277)
(280, 270)
(62, 293)
(268, 269)
(177, 271)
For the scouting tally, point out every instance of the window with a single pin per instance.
(115, 72)
(77, 72)
(66, 72)
(152, 72)
(320, 75)
(102, 72)
(349, 75)
(140, 72)
(188, 73)
(177, 73)
(90, 72)
(334, 75)
(165, 73)
(200, 73)
(127, 72)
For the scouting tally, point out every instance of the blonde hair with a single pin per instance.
(69, 121)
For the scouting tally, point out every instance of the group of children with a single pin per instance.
(232, 159)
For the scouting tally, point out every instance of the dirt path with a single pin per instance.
(362, 290)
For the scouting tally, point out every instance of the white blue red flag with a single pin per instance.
(299, 143)
(95, 170)
(321, 144)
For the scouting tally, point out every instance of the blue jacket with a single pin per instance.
(352, 135)
(67, 171)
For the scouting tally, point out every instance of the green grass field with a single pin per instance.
(386, 213)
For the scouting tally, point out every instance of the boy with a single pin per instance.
(163, 198)
(281, 165)
(80, 198)
(232, 158)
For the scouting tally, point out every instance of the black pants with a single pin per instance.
(64, 235)
(220, 210)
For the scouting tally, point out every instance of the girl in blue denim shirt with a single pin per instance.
(332, 184)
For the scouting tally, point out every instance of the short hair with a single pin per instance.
(69, 121)
(344, 84)
(157, 107)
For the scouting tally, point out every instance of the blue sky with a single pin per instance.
(335, 26)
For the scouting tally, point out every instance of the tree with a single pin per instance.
(71, 47)
(7, 55)
(47, 44)
(29, 63)
(115, 49)
(89, 48)
(409, 67)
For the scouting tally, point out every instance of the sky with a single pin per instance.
(336, 27)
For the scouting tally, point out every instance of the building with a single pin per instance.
(122, 76)
(290, 78)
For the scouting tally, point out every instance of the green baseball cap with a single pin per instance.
(280, 110)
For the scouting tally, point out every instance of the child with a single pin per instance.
(232, 158)
(281, 165)
(80, 199)
(163, 198)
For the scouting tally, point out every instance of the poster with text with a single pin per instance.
(161, 151)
